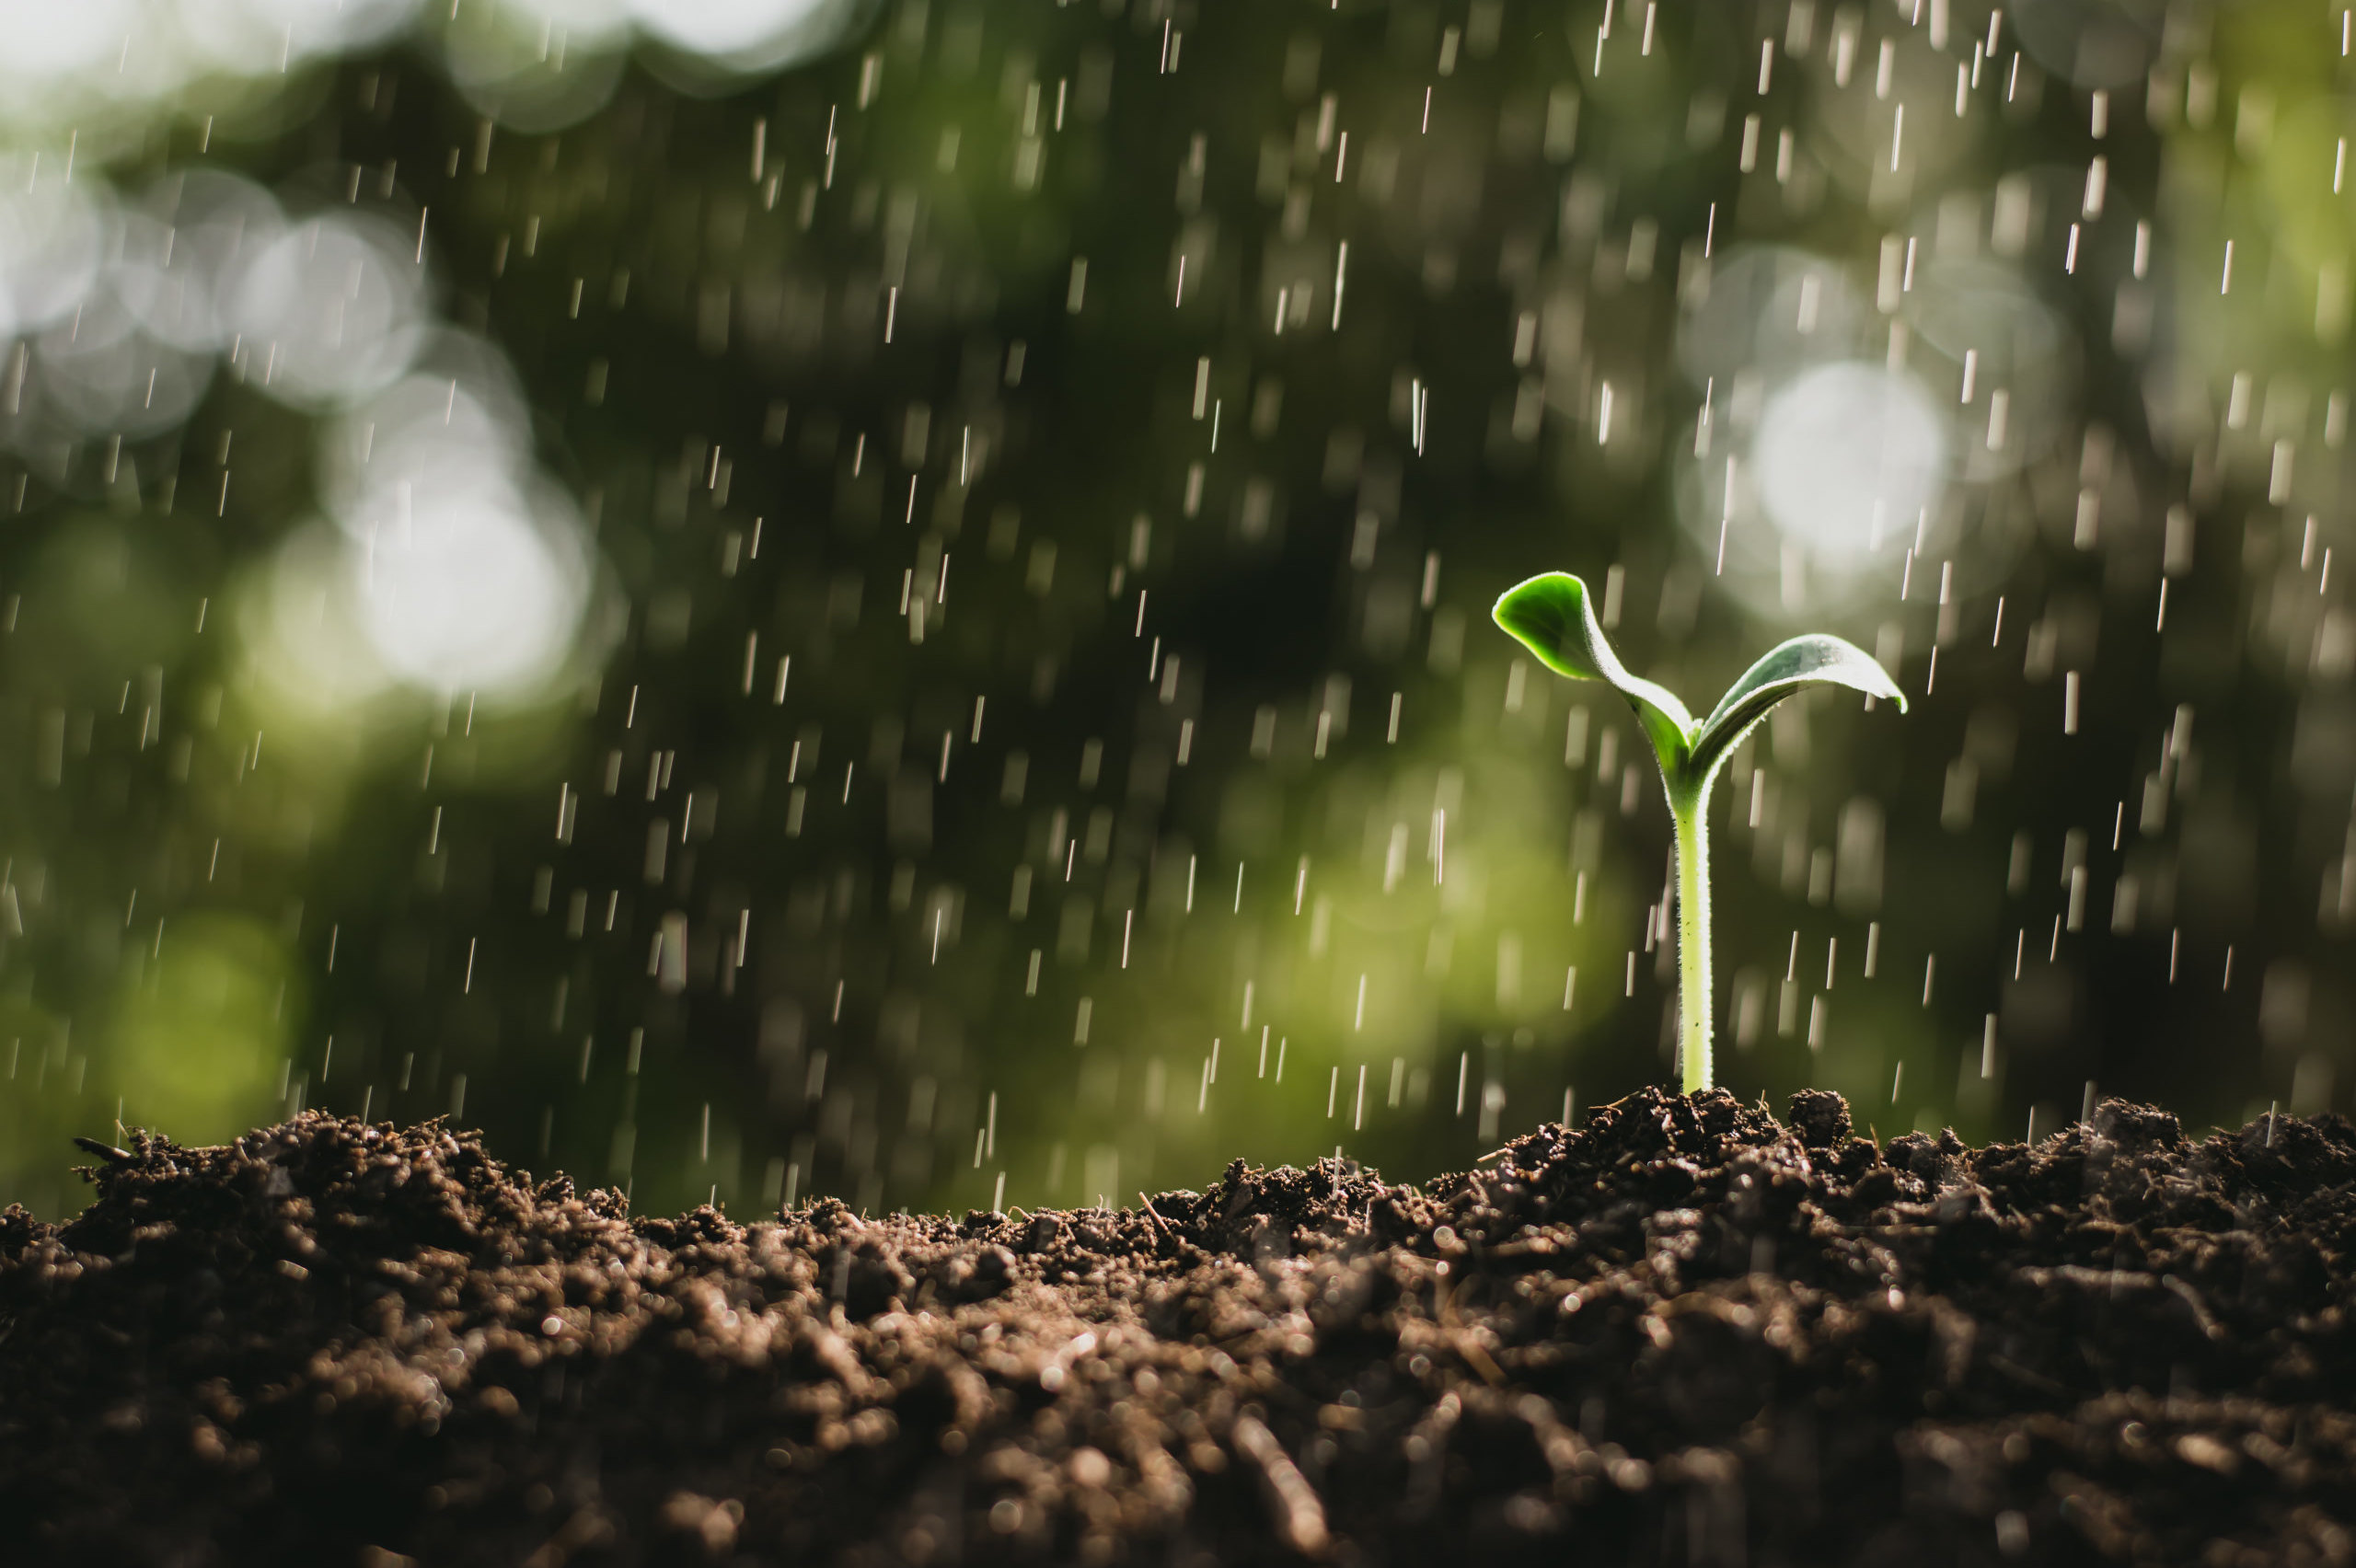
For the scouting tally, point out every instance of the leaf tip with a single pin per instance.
(1549, 586)
(1544, 614)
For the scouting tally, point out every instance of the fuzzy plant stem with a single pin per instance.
(1688, 808)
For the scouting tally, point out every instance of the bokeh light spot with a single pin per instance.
(1844, 452)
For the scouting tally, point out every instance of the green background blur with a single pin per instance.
(986, 364)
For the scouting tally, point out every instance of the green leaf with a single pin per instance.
(1814, 660)
(1551, 616)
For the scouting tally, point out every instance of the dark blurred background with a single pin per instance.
(800, 596)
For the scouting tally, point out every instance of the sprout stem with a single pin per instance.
(1686, 806)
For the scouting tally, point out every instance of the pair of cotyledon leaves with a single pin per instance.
(1551, 615)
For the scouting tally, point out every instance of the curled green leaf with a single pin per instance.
(1813, 660)
(1551, 615)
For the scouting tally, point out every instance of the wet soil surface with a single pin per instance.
(1685, 1333)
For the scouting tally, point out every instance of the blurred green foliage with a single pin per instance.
(987, 367)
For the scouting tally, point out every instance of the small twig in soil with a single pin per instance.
(1479, 1361)
(1300, 1519)
(1159, 1224)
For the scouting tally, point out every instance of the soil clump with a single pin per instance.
(1686, 1332)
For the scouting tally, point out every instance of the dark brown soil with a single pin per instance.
(1686, 1333)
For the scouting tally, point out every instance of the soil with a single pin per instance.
(1685, 1333)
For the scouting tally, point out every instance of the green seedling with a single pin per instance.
(1551, 616)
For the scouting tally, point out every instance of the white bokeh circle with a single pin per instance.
(1845, 455)
(476, 593)
(329, 311)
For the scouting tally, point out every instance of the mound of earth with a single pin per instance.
(1685, 1332)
